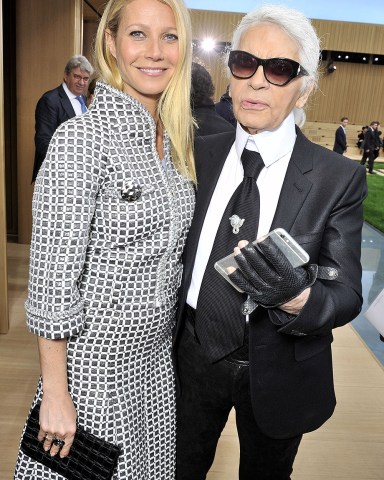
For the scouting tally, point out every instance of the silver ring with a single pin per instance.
(58, 442)
(47, 437)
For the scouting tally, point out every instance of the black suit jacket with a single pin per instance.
(321, 206)
(224, 108)
(340, 144)
(210, 122)
(370, 139)
(53, 108)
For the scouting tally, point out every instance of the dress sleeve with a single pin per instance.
(63, 206)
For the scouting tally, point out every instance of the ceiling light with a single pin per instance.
(208, 44)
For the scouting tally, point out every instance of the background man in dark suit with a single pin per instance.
(340, 145)
(224, 107)
(274, 365)
(59, 105)
(203, 106)
(371, 145)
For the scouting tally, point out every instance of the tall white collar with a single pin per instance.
(272, 145)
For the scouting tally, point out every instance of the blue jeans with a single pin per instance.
(208, 393)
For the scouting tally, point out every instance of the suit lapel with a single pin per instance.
(66, 103)
(296, 185)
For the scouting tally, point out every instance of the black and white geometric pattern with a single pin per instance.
(109, 226)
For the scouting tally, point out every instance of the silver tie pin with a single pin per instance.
(236, 223)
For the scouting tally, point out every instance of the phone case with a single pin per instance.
(292, 250)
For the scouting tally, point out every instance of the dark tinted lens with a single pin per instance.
(242, 64)
(279, 70)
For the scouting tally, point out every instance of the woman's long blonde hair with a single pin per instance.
(174, 107)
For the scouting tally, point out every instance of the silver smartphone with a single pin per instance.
(295, 254)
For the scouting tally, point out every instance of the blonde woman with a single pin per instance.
(112, 205)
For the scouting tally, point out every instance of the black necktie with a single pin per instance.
(219, 323)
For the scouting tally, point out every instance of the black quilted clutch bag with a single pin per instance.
(90, 458)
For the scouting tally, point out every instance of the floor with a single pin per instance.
(348, 447)
(372, 258)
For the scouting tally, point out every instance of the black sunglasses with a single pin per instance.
(277, 71)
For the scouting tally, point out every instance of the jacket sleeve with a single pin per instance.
(63, 205)
(334, 303)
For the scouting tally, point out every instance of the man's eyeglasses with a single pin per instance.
(277, 71)
(79, 78)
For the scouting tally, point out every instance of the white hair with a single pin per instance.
(78, 61)
(298, 27)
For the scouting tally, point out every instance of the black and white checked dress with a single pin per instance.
(104, 272)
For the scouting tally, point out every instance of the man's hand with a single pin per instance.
(294, 306)
(268, 277)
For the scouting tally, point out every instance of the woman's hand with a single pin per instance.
(57, 411)
(57, 424)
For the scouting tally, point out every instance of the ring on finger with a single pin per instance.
(58, 442)
(49, 438)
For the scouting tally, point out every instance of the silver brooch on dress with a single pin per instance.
(236, 223)
(130, 192)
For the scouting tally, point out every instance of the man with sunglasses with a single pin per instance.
(272, 363)
(60, 104)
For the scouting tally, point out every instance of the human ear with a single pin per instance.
(302, 100)
(110, 42)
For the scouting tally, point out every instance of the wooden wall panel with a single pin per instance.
(4, 322)
(49, 32)
(343, 36)
(350, 36)
(89, 35)
(217, 25)
(353, 90)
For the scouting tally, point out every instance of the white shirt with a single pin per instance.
(72, 97)
(275, 148)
